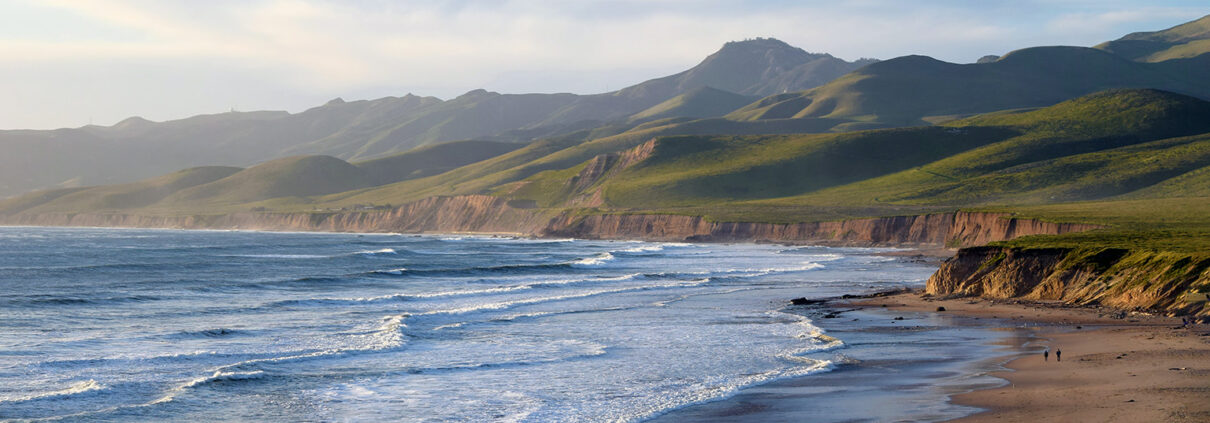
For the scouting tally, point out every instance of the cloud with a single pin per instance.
(277, 54)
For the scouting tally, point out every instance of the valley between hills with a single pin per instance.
(1072, 174)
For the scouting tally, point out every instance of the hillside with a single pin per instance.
(115, 197)
(299, 176)
(1101, 146)
(703, 102)
(916, 90)
(1183, 41)
(431, 160)
(755, 67)
(360, 130)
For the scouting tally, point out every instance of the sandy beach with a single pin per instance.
(981, 361)
(1128, 367)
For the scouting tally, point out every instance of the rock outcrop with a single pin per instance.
(1123, 279)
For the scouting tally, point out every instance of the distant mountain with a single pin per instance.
(1109, 145)
(756, 67)
(358, 130)
(917, 90)
(1183, 41)
(286, 178)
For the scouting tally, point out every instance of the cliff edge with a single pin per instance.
(1164, 282)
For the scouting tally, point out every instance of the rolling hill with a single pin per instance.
(1183, 41)
(702, 102)
(1101, 146)
(917, 90)
(366, 129)
(1095, 147)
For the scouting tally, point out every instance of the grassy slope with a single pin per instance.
(911, 90)
(1090, 148)
(432, 160)
(559, 153)
(136, 194)
(1183, 41)
(289, 177)
(699, 103)
(1086, 125)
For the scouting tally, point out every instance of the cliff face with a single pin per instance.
(951, 229)
(482, 213)
(1118, 278)
(471, 213)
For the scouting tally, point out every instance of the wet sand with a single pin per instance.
(981, 361)
(1115, 366)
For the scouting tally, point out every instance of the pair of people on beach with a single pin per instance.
(1046, 355)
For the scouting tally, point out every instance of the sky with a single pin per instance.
(69, 63)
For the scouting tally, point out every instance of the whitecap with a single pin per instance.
(377, 252)
(596, 260)
(79, 387)
(643, 249)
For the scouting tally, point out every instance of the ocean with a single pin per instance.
(155, 325)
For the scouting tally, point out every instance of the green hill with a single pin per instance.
(136, 194)
(1135, 160)
(703, 102)
(361, 130)
(432, 160)
(1187, 40)
(916, 90)
(560, 153)
(1100, 146)
(300, 176)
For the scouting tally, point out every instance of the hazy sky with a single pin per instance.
(65, 63)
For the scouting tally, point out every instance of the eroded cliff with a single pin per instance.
(1130, 280)
(942, 229)
(484, 213)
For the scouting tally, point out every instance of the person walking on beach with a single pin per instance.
(1045, 355)
(1058, 355)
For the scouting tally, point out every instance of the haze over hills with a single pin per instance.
(359, 130)
(1130, 143)
(905, 91)
(1037, 127)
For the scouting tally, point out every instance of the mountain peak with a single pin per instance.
(477, 93)
(762, 66)
(768, 50)
(758, 43)
(132, 122)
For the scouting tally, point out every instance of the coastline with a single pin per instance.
(1116, 366)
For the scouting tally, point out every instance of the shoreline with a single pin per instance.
(1115, 366)
(1123, 365)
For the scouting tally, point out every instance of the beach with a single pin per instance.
(1115, 366)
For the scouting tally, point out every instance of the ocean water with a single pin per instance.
(154, 325)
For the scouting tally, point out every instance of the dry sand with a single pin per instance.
(1132, 368)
